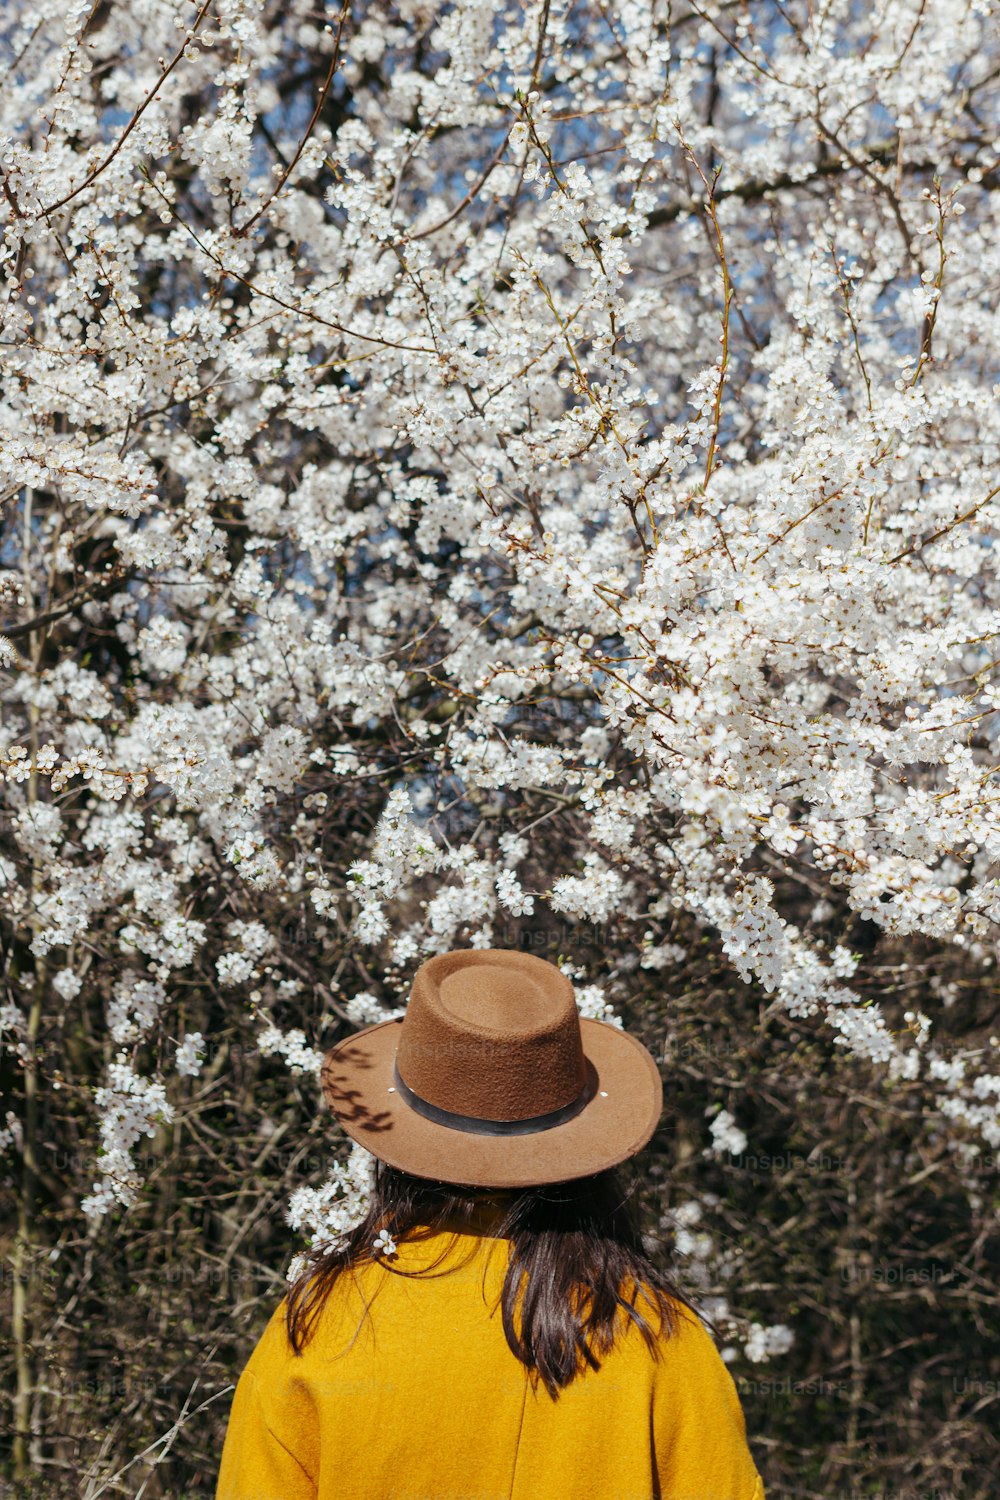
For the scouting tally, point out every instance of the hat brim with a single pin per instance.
(613, 1126)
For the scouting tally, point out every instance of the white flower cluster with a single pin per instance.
(762, 1344)
(240, 965)
(727, 1137)
(325, 1213)
(134, 1006)
(292, 1046)
(512, 896)
(129, 1107)
(189, 1060)
(366, 1010)
(591, 1000)
(11, 1132)
(598, 895)
(400, 851)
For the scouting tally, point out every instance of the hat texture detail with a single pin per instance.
(492, 1035)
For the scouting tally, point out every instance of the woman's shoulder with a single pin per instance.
(689, 1368)
(694, 1394)
(273, 1346)
(679, 1331)
(275, 1354)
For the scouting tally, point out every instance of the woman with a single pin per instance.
(493, 1329)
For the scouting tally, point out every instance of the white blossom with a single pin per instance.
(726, 1135)
(189, 1060)
(325, 1213)
(292, 1046)
(512, 896)
(129, 1106)
(764, 1343)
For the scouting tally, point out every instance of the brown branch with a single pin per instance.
(302, 312)
(135, 118)
(727, 298)
(865, 167)
(476, 187)
(943, 530)
(756, 188)
(107, 584)
(318, 110)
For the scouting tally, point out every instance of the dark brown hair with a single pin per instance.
(576, 1246)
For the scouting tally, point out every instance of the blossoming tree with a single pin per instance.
(477, 476)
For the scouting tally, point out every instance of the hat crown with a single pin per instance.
(492, 1034)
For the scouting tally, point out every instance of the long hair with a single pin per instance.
(576, 1247)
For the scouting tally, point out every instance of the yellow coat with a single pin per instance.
(428, 1402)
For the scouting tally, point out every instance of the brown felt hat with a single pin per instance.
(493, 1079)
